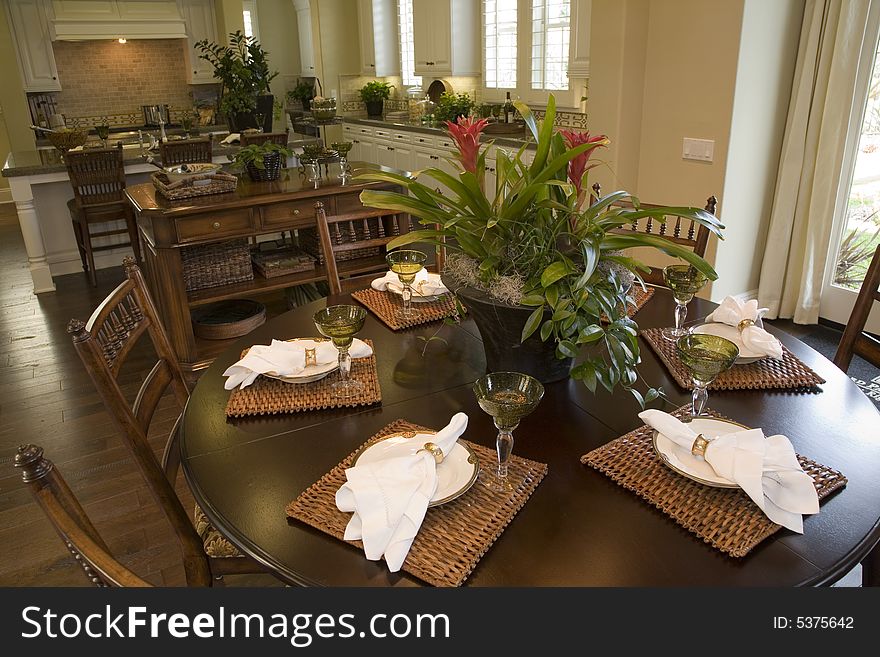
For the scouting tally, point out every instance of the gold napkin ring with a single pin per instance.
(744, 324)
(311, 356)
(699, 446)
(436, 452)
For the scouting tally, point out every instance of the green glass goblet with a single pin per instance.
(343, 148)
(103, 132)
(508, 397)
(705, 356)
(406, 264)
(341, 324)
(684, 281)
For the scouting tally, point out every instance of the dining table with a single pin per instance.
(579, 527)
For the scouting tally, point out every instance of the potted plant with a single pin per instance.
(242, 68)
(302, 92)
(262, 162)
(374, 94)
(530, 259)
(451, 107)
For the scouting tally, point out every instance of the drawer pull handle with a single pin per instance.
(216, 225)
(295, 213)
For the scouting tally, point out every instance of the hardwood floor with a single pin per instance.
(46, 398)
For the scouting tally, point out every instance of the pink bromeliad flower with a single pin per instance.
(581, 164)
(466, 135)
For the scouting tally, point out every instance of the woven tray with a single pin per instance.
(270, 396)
(220, 184)
(280, 262)
(788, 373)
(454, 536)
(723, 517)
(384, 304)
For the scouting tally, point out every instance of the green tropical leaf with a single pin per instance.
(532, 323)
(553, 273)
(613, 242)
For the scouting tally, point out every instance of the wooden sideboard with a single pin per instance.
(254, 209)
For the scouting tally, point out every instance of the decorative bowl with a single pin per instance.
(190, 170)
(324, 109)
(66, 138)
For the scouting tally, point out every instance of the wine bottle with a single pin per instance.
(508, 110)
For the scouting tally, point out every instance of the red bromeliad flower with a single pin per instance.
(579, 165)
(466, 135)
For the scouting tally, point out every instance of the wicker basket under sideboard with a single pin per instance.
(218, 263)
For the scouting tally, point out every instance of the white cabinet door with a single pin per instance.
(29, 24)
(369, 150)
(446, 37)
(489, 179)
(200, 24)
(365, 23)
(421, 159)
(422, 35)
(380, 52)
(403, 157)
(385, 154)
(306, 43)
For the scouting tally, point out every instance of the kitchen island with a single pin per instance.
(41, 188)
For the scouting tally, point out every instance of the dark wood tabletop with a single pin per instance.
(579, 528)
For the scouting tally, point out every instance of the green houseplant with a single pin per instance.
(262, 162)
(374, 94)
(531, 258)
(451, 107)
(242, 68)
(303, 92)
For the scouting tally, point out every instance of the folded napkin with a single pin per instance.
(232, 138)
(427, 284)
(286, 359)
(389, 497)
(767, 469)
(732, 311)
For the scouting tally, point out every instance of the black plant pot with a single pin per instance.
(374, 108)
(271, 170)
(501, 328)
(307, 104)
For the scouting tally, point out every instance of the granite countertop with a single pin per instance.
(413, 126)
(37, 162)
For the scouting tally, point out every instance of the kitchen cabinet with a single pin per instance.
(201, 23)
(446, 37)
(308, 60)
(380, 51)
(29, 24)
(579, 40)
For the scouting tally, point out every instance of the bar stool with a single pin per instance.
(98, 180)
(249, 138)
(185, 151)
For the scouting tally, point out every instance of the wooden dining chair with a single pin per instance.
(676, 229)
(103, 343)
(855, 340)
(97, 176)
(249, 138)
(70, 521)
(185, 151)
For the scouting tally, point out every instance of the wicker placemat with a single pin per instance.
(788, 373)
(384, 304)
(454, 536)
(267, 396)
(723, 517)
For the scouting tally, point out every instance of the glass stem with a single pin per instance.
(504, 447)
(681, 313)
(699, 399)
(407, 298)
(344, 363)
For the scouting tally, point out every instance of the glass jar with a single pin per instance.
(323, 109)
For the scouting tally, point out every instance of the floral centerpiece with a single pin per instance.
(536, 260)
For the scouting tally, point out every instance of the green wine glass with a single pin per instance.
(103, 132)
(705, 356)
(341, 324)
(343, 148)
(684, 281)
(508, 397)
(406, 263)
(186, 122)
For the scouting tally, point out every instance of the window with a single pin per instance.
(249, 14)
(499, 38)
(407, 49)
(551, 27)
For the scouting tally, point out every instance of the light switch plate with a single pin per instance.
(702, 150)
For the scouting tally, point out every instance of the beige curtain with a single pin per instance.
(813, 148)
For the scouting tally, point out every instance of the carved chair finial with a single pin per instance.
(130, 265)
(33, 466)
(77, 328)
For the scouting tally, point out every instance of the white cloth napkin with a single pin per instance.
(232, 138)
(427, 284)
(767, 469)
(732, 311)
(389, 497)
(286, 359)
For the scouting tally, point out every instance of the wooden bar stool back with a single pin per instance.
(103, 343)
(675, 229)
(250, 138)
(185, 151)
(70, 521)
(98, 180)
(855, 340)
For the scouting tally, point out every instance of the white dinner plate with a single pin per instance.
(694, 467)
(310, 373)
(456, 474)
(732, 333)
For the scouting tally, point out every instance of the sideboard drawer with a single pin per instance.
(348, 203)
(291, 212)
(215, 224)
